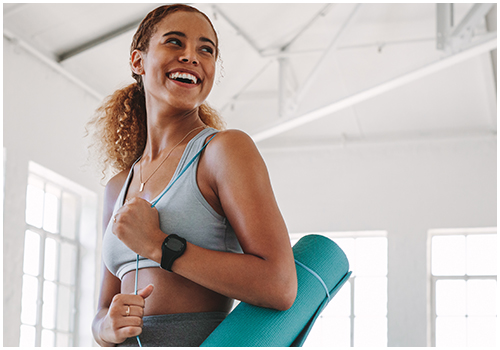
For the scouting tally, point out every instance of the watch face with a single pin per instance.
(174, 244)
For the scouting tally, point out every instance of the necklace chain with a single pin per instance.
(163, 161)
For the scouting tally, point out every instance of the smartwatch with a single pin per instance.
(172, 248)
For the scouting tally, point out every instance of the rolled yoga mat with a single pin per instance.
(249, 325)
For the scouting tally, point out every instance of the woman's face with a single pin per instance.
(179, 66)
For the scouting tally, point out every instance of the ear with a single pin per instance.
(137, 62)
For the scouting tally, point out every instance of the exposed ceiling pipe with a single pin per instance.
(448, 61)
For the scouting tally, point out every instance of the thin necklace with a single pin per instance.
(163, 161)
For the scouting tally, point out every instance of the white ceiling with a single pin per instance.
(373, 68)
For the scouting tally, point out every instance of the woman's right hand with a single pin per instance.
(124, 317)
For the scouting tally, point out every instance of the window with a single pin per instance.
(463, 287)
(357, 315)
(50, 266)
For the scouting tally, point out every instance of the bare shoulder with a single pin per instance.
(232, 142)
(233, 153)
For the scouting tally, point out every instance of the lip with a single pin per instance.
(183, 70)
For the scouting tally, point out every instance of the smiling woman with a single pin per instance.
(190, 220)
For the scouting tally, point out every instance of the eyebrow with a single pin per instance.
(181, 34)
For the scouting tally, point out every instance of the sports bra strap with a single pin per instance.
(182, 171)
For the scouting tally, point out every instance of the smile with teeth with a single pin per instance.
(183, 77)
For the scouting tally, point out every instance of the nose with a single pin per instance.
(188, 56)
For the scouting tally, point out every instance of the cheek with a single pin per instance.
(210, 71)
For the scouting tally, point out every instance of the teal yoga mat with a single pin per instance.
(249, 325)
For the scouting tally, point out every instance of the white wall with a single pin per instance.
(44, 118)
(405, 188)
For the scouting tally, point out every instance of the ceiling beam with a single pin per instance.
(51, 63)
(217, 10)
(318, 67)
(237, 95)
(448, 61)
(471, 19)
(444, 23)
(97, 41)
(451, 37)
(306, 26)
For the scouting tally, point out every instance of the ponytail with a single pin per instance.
(120, 129)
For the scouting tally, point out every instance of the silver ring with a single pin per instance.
(128, 311)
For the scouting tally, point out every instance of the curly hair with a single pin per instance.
(120, 123)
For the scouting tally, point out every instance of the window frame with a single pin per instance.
(87, 235)
(60, 239)
(433, 279)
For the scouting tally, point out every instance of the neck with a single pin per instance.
(165, 130)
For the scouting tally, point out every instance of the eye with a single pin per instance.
(173, 41)
(207, 49)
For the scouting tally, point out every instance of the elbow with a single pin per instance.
(287, 300)
(286, 295)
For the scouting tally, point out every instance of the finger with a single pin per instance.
(129, 332)
(120, 300)
(133, 311)
(124, 321)
(146, 291)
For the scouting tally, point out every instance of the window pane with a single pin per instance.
(481, 331)
(481, 297)
(63, 340)
(370, 295)
(330, 332)
(48, 338)
(450, 298)
(64, 309)
(340, 305)
(68, 217)
(31, 253)
(27, 336)
(49, 305)
(34, 205)
(450, 331)
(50, 213)
(67, 264)
(370, 331)
(337, 332)
(448, 255)
(50, 268)
(28, 300)
(481, 254)
(371, 256)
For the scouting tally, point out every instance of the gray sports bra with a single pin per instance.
(182, 210)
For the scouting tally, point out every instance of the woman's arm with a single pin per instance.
(265, 274)
(111, 326)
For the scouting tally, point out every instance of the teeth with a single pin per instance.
(177, 75)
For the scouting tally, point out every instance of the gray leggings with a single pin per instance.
(189, 329)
